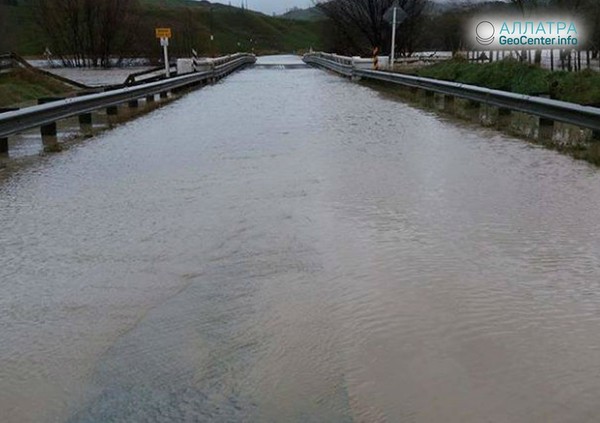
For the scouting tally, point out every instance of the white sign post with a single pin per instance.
(164, 42)
(164, 34)
(393, 53)
(395, 15)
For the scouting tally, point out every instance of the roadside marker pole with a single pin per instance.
(376, 58)
(195, 62)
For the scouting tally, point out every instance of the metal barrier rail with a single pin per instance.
(556, 110)
(13, 61)
(6, 63)
(132, 78)
(31, 117)
(345, 69)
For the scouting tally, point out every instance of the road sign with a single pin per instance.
(163, 32)
(400, 14)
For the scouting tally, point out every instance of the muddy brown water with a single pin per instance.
(289, 246)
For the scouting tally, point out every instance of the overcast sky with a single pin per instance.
(270, 6)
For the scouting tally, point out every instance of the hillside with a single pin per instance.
(234, 29)
(310, 14)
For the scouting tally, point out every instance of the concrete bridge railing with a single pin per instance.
(534, 117)
(49, 111)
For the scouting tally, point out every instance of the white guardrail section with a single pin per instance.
(205, 64)
(556, 110)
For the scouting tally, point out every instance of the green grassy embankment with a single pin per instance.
(511, 75)
(191, 22)
(234, 29)
(24, 85)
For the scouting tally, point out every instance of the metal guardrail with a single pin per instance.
(345, 68)
(31, 117)
(6, 63)
(157, 72)
(13, 61)
(556, 110)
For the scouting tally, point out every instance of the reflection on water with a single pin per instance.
(290, 246)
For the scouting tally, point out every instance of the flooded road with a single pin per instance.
(289, 246)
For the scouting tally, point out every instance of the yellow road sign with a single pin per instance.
(163, 32)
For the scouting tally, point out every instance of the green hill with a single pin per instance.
(310, 14)
(234, 29)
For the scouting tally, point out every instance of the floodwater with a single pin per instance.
(289, 246)
(98, 77)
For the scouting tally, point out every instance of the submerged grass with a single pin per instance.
(24, 85)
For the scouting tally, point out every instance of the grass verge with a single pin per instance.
(24, 85)
(511, 75)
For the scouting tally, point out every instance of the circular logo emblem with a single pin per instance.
(485, 33)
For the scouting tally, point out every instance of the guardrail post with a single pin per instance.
(164, 95)
(438, 101)
(48, 131)
(354, 66)
(504, 117)
(85, 119)
(525, 124)
(150, 98)
(213, 78)
(112, 110)
(493, 116)
(3, 146)
(111, 114)
(85, 123)
(133, 104)
(426, 97)
(466, 109)
(4, 141)
(449, 103)
(546, 130)
(444, 102)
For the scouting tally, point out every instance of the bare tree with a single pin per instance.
(86, 32)
(362, 21)
(411, 30)
(3, 27)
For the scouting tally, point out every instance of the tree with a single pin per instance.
(362, 23)
(86, 32)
